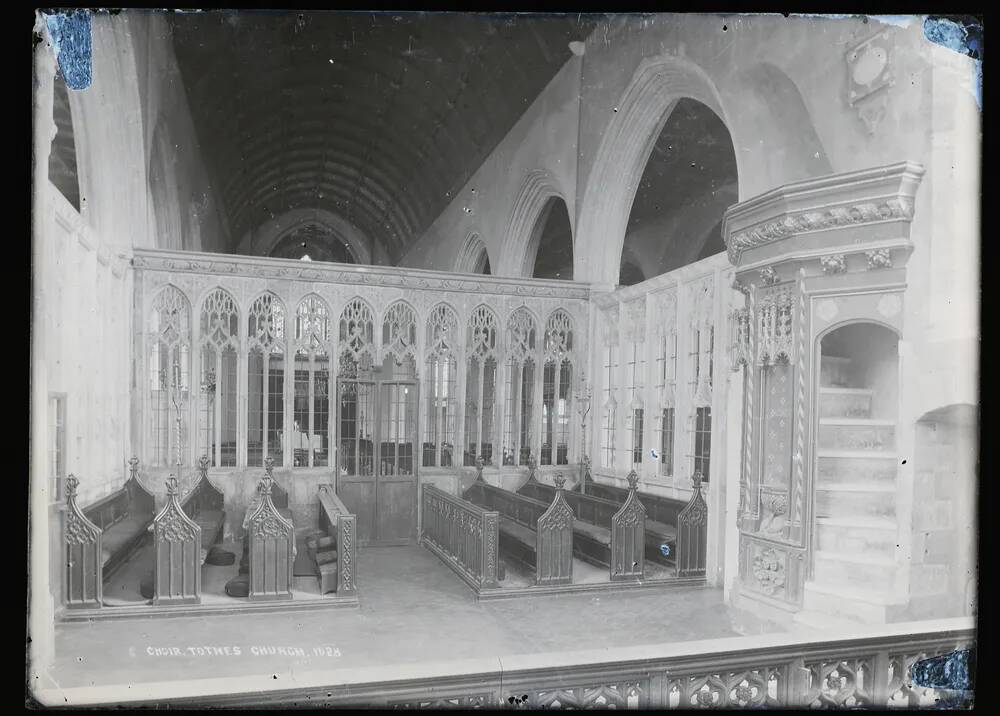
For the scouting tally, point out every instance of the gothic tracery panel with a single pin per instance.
(266, 379)
(440, 381)
(218, 350)
(169, 374)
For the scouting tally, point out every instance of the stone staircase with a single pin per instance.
(854, 545)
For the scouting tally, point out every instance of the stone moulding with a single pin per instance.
(871, 196)
(389, 276)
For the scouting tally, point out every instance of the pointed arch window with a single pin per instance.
(480, 386)
(441, 403)
(169, 375)
(311, 411)
(356, 391)
(399, 338)
(218, 350)
(557, 381)
(265, 380)
(520, 389)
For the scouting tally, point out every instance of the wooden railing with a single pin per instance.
(870, 668)
(464, 535)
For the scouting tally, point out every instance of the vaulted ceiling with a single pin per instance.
(377, 117)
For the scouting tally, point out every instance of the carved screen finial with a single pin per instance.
(265, 484)
(71, 484)
(532, 465)
(203, 466)
(172, 488)
(633, 480)
(479, 467)
(559, 480)
(269, 466)
(133, 467)
(696, 480)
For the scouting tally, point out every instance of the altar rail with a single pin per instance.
(870, 668)
(464, 535)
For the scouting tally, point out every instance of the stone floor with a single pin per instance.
(413, 609)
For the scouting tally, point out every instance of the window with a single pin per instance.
(169, 375)
(480, 386)
(610, 370)
(311, 401)
(667, 442)
(357, 389)
(636, 373)
(57, 446)
(266, 374)
(439, 382)
(520, 389)
(218, 355)
(702, 441)
(557, 380)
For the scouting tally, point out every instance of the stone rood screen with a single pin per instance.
(230, 421)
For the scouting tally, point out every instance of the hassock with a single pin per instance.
(218, 557)
(238, 586)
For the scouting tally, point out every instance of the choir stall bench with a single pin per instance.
(332, 549)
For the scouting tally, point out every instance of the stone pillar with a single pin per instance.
(45, 526)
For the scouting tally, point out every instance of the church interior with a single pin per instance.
(441, 359)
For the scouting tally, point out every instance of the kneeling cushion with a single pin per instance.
(146, 586)
(218, 557)
(238, 586)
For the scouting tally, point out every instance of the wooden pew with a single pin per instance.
(182, 533)
(682, 526)
(539, 536)
(101, 537)
(341, 528)
(270, 537)
(464, 535)
(622, 524)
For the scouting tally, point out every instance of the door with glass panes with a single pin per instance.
(376, 470)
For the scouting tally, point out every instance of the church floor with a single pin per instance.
(413, 609)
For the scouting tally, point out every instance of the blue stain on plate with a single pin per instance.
(665, 550)
(952, 671)
(653, 454)
(70, 33)
(963, 36)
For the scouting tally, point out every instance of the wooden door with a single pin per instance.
(376, 462)
(356, 426)
(396, 481)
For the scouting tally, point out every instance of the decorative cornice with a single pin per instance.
(872, 196)
(383, 276)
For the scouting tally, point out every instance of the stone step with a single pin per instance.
(854, 570)
(856, 499)
(856, 434)
(838, 466)
(855, 604)
(845, 402)
(874, 536)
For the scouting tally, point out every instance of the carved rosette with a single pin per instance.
(878, 259)
(769, 571)
(833, 264)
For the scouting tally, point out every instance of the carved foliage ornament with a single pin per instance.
(804, 222)
(774, 328)
(769, 571)
(879, 259)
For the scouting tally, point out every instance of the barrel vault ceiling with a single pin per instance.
(380, 118)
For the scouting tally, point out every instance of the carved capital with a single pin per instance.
(833, 264)
(878, 259)
(768, 276)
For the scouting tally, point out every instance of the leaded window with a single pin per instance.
(557, 382)
(169, 375)
(219, 350)
(480, 386)
(520, 390)
(265, 380)
(439, 387)
(311, 401)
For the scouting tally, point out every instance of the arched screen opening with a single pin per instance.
(689, 181)
(313, 242)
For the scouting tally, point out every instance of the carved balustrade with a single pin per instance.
(464, 535)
